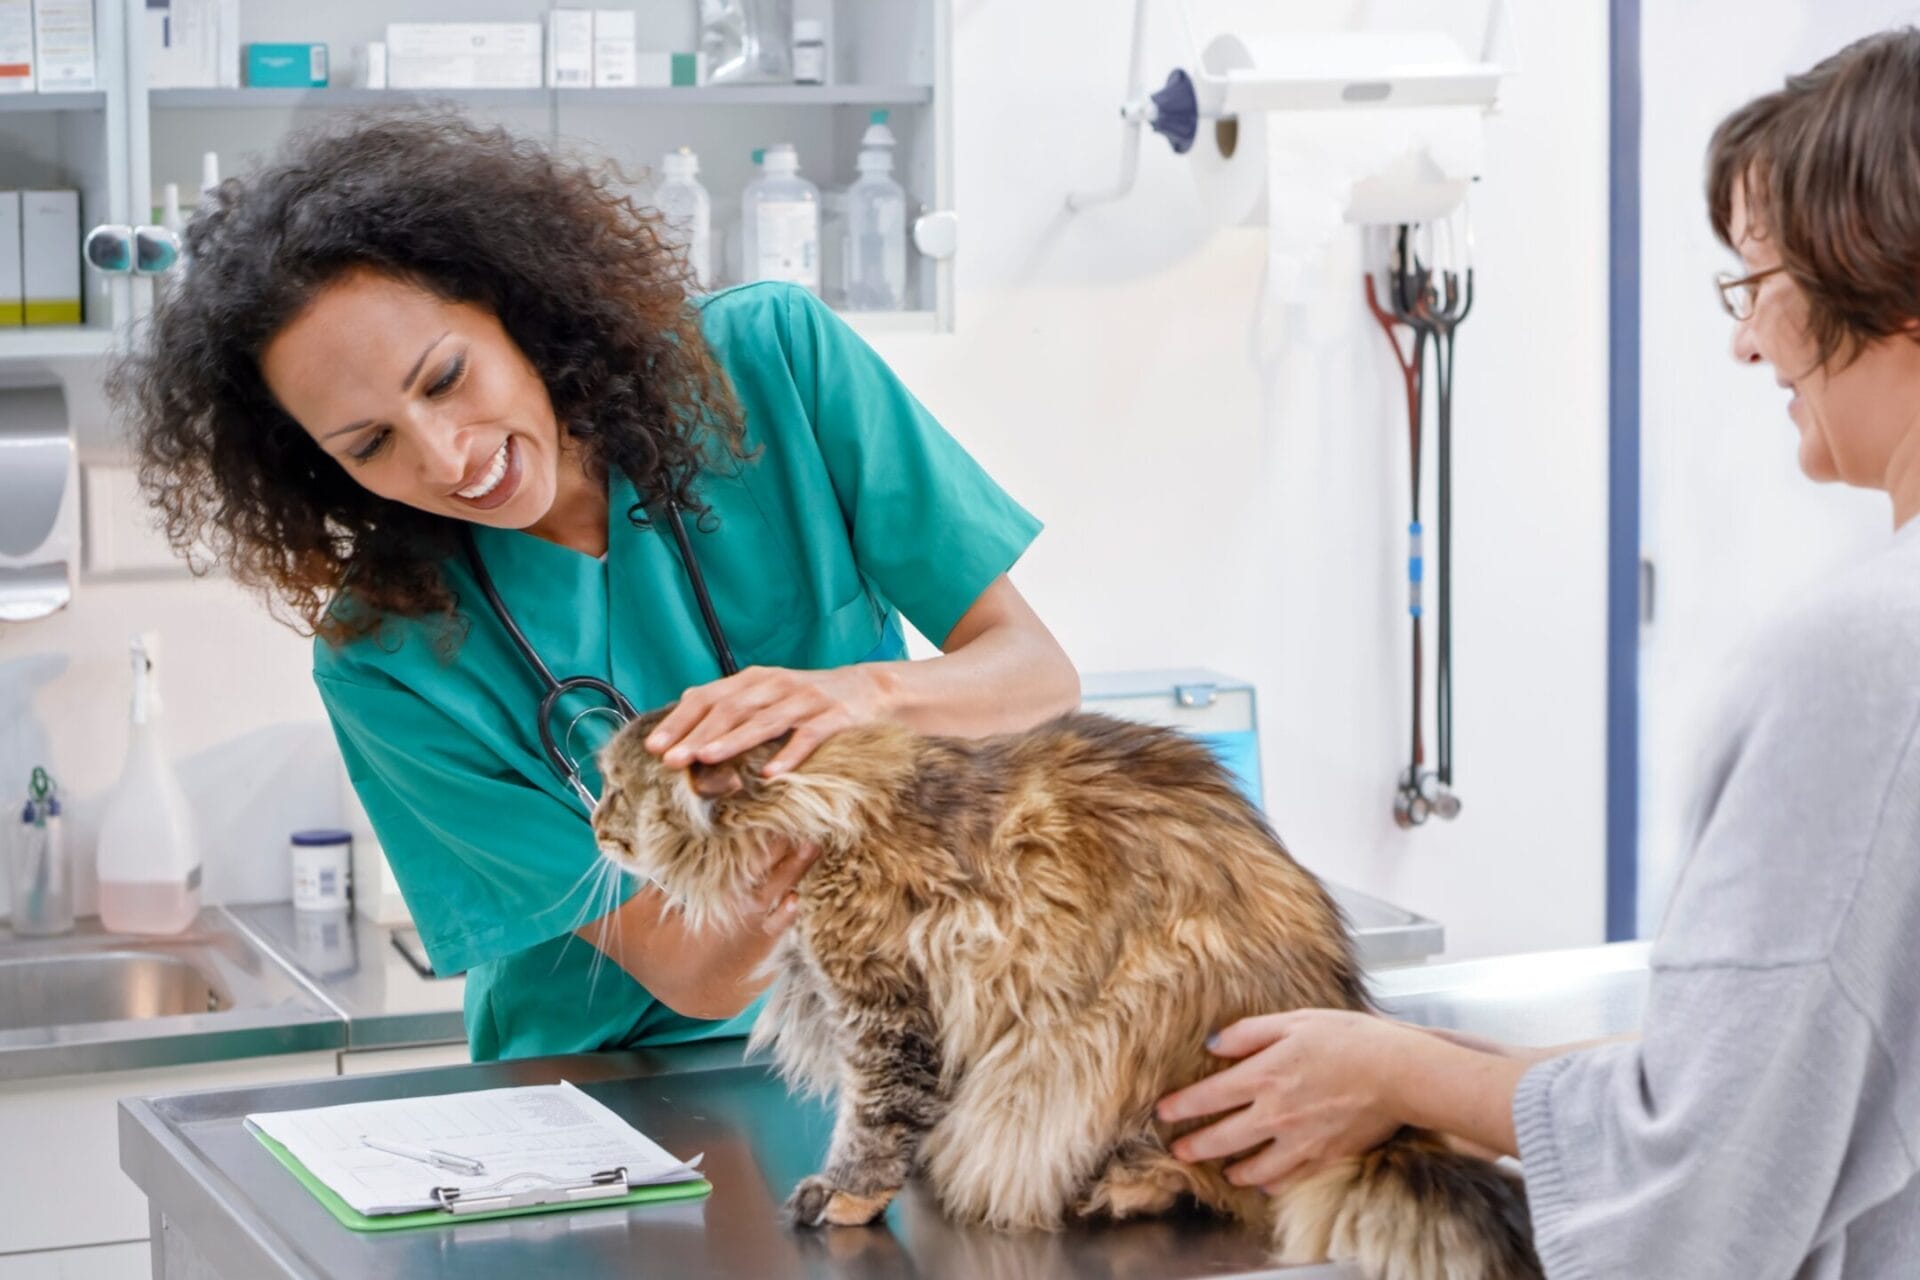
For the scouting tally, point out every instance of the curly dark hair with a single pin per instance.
(580, 278)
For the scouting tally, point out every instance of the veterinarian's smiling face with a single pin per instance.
(421, 400)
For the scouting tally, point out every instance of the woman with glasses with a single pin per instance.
(1767, 1120)
(413, 357)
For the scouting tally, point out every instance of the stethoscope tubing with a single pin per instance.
(1436, 313)
(553, 689)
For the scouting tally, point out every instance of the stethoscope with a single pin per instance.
(1430, 304)
(618, 709)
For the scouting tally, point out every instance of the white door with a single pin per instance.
(1734, 531)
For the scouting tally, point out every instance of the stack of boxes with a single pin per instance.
(195, 44)
(46, 46)
(584, 48)
(39, 258)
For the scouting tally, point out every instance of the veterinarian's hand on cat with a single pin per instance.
(1312, 1085)
(718, 721)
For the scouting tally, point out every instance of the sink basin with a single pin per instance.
(54, 991)
(96, 1001)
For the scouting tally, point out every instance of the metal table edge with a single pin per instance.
(150, 1149)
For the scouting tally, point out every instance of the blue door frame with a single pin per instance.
(1623, 471)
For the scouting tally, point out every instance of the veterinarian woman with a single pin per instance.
(415, 332)
(1767, 1123)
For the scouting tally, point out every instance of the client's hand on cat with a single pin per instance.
(1313, 1085)
(718, 721)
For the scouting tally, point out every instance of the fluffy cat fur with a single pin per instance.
(1010, 948)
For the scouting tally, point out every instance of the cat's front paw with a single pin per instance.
(818, 1203)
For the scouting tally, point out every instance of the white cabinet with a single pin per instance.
(130, 1260)
(366, 1062)
(60, 1161)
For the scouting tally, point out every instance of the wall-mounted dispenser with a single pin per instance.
(39, 503)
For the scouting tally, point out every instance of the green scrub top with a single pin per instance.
(856, 508)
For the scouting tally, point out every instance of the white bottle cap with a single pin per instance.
(782, 158)
(683, 163)
(875, 160)
(209, 172)
(877, 134)
(808, 29)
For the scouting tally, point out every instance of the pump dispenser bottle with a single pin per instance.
(149, 857)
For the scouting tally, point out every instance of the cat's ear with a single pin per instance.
(711, 781)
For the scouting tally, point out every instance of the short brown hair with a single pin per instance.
(1829, 166)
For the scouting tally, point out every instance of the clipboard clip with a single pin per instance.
(490, 1198)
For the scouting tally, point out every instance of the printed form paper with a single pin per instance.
(524, 1136)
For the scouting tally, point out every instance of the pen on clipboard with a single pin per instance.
(425, 1155)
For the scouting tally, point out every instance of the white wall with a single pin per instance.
(1733, 527)
(1199, 511)
(1101, 370)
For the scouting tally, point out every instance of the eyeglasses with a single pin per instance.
(1738, 293)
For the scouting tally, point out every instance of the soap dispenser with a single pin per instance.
(149, 857)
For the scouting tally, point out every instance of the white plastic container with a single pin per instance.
(149, 856)
(780, 223)
(876, 227)
(322, 869)
(809, 51)
(688, 211)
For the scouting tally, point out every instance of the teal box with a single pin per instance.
(286, 66)
(1217, 709)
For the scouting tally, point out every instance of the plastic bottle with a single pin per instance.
(809, 51)
(149, 857)
(780, 223)
(833, 246)
(733, 231)
(688, 211)
(876, 226)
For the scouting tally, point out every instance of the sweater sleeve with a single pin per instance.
(1763, 1108)
(1710, 1148)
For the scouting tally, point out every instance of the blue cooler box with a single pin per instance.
(1218, 710)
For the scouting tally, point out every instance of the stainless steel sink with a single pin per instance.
(53, 991)
(95, 1001)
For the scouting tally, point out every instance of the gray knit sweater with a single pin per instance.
(1766, 1124)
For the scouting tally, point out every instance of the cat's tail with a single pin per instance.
(1410, 1209)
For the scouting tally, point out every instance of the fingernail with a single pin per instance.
(773, 770)
(1213, 1043)
(656, 742)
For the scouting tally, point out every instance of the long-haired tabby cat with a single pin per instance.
(1010, 948)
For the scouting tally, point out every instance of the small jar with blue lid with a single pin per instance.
(322, 869)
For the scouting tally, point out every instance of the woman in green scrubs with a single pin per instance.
(417, 329)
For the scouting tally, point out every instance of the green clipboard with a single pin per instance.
(352, 1219)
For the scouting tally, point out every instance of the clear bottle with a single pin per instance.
(780, 223)
(688, 212)
(732, 231)
(876, 226)
(833, 246)
(149, 857)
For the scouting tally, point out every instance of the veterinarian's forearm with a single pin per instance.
(708, 975)
(1007, 676)
(1456, 1090)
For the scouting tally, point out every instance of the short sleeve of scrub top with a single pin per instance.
(852, 508)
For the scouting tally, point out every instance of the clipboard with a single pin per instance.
(604, 1189)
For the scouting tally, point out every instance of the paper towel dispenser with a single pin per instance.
(39, 502)
(1312, 71)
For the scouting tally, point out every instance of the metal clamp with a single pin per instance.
(608, 1185)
